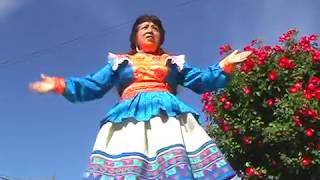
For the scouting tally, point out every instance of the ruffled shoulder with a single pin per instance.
(178, 60)
(117, 59)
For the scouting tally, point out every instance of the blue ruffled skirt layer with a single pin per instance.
(146, 105)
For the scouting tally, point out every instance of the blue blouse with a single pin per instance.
(119, 72)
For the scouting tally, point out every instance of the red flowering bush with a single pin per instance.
(268, 118)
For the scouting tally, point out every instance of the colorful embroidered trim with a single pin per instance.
(137, 87)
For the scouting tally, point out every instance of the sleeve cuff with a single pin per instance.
(59, 85)
(229, 68)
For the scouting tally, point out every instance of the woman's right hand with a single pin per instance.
(235, 57)
(45, 85)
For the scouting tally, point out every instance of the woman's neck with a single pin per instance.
(157, 52)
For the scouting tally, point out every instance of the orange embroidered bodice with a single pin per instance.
(149, 73)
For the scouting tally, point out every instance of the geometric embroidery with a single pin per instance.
(149, 73)
(172, 162)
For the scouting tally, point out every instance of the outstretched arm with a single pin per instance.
(216, 76)
(87, 88)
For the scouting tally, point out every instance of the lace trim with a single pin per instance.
(116, 60)
(178, 60)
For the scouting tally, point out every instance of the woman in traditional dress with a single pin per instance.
(149, 133)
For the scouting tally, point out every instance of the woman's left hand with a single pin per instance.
(234, 57)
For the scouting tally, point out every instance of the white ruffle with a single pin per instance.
(116, 60)
(178, 60)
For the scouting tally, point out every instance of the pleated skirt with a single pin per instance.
(162, 148)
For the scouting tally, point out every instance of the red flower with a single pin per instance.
(309, 132)
(225, 49)
(246, 140)
(225, 127)
(286, 63)
(311, 86)
(249, 48)
(313, 37)
(310, 113)
(254, 42)
(250, 171)
(247, 90)
(283, 62)
(295, 48)
(293, 89)
(305, 161)
(223, 98)
(315, 80)
(316, 57)
(291, 65)
(206, 96)
(298, 85)
(282, 38)
(304, 43)
(272, 75)
(247, 66)
(261, 55)
(278, 49)
(209, 108)
(227, 105)
(266, 48)
(288, 35)
(297, 121)
(308, 95)
(270, 102)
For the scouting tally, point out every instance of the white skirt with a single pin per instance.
(161, 148)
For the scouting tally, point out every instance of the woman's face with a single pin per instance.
(148, 37)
